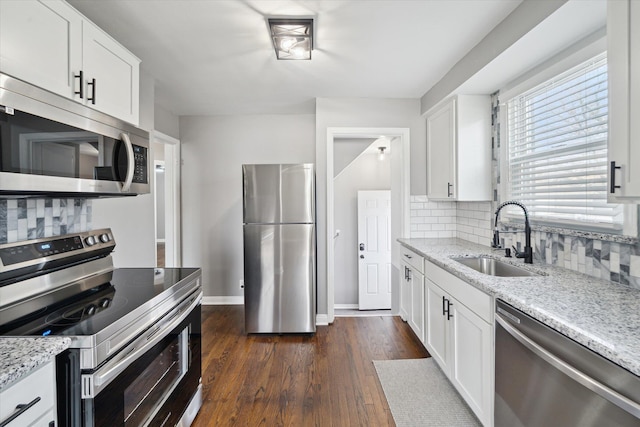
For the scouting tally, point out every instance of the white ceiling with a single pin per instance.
(215, 56)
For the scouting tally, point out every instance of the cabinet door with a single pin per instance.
(437, 326)
(441, 137)
(40, 42)
(111, 75)
(623, 57)
(417, 304)
(472, 361)
(37, 389)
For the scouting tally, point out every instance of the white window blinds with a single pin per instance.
(557, 148)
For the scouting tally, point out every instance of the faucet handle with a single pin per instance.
(496, 240)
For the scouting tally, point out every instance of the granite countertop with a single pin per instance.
(20, 356)
(599, 314)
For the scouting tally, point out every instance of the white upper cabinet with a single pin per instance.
(623, 56)
(111, 75)
(459, 149)
(41, 42)
(51, 45)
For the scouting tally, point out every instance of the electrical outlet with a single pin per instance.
(241, 284)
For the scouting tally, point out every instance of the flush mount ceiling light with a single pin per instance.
(292, 37)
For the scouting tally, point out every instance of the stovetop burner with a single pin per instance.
(55, 317)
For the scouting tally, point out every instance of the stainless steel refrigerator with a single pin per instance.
(279, 248)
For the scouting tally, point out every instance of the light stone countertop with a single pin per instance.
(601, 315)
(20, 356)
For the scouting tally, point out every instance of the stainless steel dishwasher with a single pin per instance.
(545, 379)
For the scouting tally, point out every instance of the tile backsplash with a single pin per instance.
(432, 219)
(25, 219)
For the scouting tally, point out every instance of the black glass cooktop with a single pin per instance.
(92, 310)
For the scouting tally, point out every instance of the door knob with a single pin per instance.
(362, 246)
(362, 256)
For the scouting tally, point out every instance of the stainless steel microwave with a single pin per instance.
(53, 146)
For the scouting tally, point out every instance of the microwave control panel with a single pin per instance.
(140, 162)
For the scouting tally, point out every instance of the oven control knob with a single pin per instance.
(90, 241)
(104, 238)
(105, 303)
(90, 310)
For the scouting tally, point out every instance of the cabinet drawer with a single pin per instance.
(473, 298)
(412, 258)
(38, 384)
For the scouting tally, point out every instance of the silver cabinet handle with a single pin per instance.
(20, 409)
(578, 376)
(130, 160)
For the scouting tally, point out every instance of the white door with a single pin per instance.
(374, 250)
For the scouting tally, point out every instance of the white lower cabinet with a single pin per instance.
(416, 321)
(405, 292)
(412, 291)
(31, 401)
(459, 336)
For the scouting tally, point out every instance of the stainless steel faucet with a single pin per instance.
(528, 250)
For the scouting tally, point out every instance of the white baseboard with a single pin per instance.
(322, 320)
(222, 300)
(346, 306)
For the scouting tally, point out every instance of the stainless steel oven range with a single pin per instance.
(135, 357)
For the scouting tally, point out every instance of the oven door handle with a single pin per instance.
(131, 164)
(573, 373)
(92, 384)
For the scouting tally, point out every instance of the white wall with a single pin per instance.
(131, 218)
(213, 151)
(367, 172)
(522, 20)
(166, 122)
(346, 150)
(362, 112)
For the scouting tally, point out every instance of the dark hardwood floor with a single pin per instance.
(327, 379)
(160, 254)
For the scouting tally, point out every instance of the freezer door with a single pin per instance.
(279, 278)
(278, 193)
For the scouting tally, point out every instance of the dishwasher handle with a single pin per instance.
(578, 376)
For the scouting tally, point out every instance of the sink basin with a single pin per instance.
(494, 267)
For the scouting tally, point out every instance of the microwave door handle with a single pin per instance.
(131, 162)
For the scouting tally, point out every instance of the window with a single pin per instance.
(557, 149)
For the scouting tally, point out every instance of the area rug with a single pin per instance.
(419, 394)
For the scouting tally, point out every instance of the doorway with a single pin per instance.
(167, 199)
(399, 157)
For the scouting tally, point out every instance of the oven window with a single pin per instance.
(152, 385)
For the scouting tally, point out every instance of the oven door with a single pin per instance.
(152, 380)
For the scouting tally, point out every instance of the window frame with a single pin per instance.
(575, 55)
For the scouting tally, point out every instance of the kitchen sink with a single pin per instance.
(494, 267)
